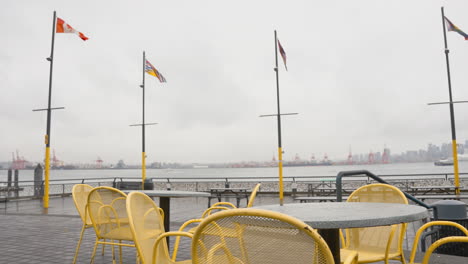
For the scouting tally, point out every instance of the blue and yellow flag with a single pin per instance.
(452, 27)
(151, 70)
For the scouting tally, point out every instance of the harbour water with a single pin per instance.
(251, 173)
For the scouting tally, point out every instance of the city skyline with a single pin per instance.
(431, 153)
(357, 75)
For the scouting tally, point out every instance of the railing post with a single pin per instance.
(10, 173)
(294, 187)
(226, 184)
(42, 189)
(38, 173)
(168, 185)
(16, 183)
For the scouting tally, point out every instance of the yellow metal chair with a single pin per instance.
(80, 198)
(219, 206)
(147, 226)
(382, 243)
(108, 214)
(439, 242)
(241, 236)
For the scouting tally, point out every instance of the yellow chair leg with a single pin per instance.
(79, 244)
(94, 252)
(113, 252)
(120, 252)
(103, 246)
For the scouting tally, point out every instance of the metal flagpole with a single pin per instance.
(143, 154)
(49, 112)
(452, 114)
(278, 116)
(143, 127)
(280, 151)
(49, 109)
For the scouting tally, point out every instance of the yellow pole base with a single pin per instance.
(280, 168)
(45, 198)
(455, 167)
(143, 170)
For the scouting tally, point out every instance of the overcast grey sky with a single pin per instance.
(360, 74)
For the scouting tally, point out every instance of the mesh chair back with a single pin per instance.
(106, 207)
(374, 240)
(253, 195)
(257, 236)
(146, 224)
(80, 194)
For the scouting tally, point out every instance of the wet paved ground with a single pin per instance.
(29, 234)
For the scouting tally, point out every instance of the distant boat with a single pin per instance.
(449, 161)
(444, 162)
(200, 166)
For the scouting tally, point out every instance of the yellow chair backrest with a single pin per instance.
(253, 195)
(439, 242)
(378, 193)
(146, 224)
(257, 236)
(80, 194)
(107, 210)
(377, 240)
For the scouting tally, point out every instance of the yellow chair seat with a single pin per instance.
(169, 261)
(367, 256)
(349, 256)
(121, 233)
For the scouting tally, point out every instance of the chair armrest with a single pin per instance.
(208, 211)
(167, 234)
(181, 229)
(424, 227)
(440, 242)
(224, 204)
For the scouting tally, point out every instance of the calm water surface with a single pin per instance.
(330, 171)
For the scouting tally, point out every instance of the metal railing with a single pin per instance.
(299, 184)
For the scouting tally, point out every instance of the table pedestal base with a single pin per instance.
(332, 237)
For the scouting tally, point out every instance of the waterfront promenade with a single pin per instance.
(30, 234)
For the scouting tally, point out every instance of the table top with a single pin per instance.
(350, 215)
(171, 193)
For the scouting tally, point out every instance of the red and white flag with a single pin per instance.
(63, 27)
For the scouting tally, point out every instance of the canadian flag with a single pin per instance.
(63, 27)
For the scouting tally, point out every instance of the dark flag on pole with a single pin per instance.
(452, 27)
(283, 54)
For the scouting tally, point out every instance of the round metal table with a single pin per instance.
(329, 218)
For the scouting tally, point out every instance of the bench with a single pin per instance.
(219, 193)
(4, 199)
(305, 199)
(438, 189)
(128, 185)
(325, 190)
(442, 197)
(133, 185)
